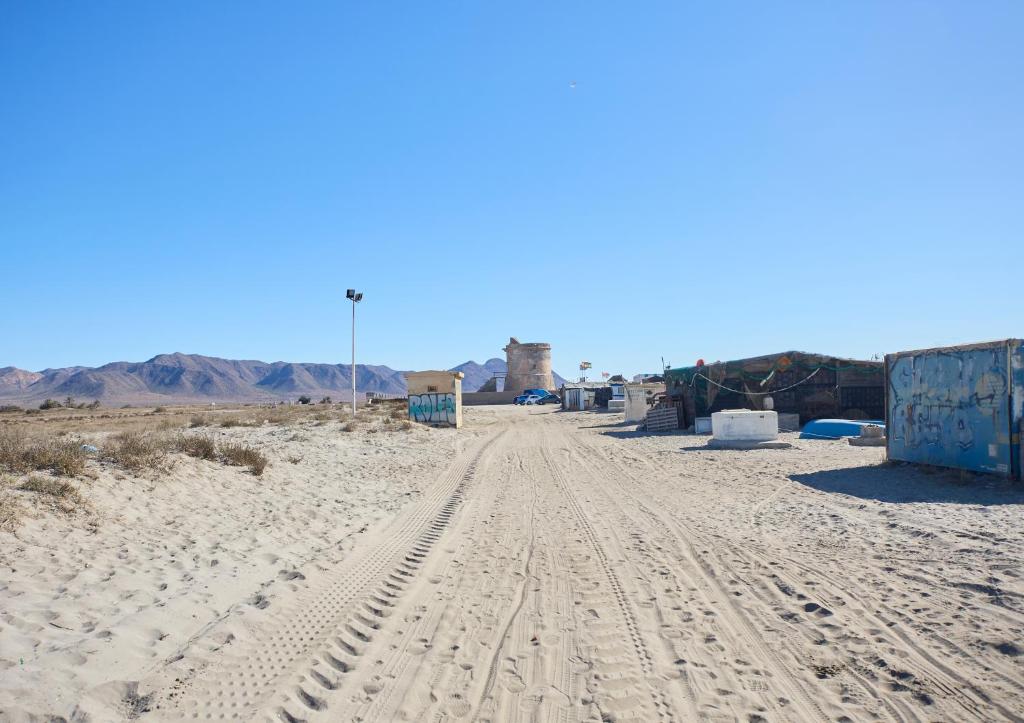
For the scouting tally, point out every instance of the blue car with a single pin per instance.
(521, 399)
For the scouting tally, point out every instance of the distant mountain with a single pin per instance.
(190, 378)
(13, 378)
(180, 378)
(477, 374)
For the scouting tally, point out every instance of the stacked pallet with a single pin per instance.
(664, 419)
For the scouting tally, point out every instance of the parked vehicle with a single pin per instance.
(521, 399)
(545, 399)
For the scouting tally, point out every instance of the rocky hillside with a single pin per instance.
(179, 378)
(477, 374)
(188, 378)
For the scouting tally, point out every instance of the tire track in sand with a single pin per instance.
(288, 673)
(956, 691)
(697, 571)
(642, 655)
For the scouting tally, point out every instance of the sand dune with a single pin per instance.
(536, 565)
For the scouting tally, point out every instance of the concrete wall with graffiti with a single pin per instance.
(435, 397)
(434, 408)
(958, 407)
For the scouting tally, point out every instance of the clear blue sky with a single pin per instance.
(725, 179)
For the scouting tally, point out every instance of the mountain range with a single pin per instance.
(188, 378)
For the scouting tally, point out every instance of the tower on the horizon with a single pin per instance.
(529, 366)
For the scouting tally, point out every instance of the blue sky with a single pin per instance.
(724, 180)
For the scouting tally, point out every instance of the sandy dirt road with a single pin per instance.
(562, 568)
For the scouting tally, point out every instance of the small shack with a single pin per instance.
(578, 396)
(960, 407)
(810, 385)
(435, 397)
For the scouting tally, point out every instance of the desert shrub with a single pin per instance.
(201, 446)
(10, 408)
(406, 425)
(325, 400)
(50, 404)
(61, 456)
(94, 404)
(159, 410)
(349, 426)
(278, 415)
(53, 488)
(10, 507)
(243, 455)
(304, 399)
(229, 422)
(20, 454)
(197, 420)
(294, 458)
(134, 451)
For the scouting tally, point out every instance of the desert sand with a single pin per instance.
(535, 565)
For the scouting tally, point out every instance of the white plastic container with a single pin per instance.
(745, 425)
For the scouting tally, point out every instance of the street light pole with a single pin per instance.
(354, 298)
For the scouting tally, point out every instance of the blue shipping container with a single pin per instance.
(959, 407)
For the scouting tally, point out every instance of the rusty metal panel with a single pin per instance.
(957, 407)
(1017, 404)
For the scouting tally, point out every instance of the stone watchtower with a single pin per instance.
(529, 366)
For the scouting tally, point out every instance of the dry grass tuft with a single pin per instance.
(11, 509)
(197, 421)
(350, 426)
(201, 446)
(243, 455)
(20, 454)
(53, 488)
(229, 422)
(135, 451)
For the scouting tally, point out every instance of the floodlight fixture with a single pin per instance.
(355, 297)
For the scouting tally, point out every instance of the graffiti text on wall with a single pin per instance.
(432, 408)
(951, 408)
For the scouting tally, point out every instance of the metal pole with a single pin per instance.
(353, 370)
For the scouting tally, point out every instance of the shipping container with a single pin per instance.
(960, 407)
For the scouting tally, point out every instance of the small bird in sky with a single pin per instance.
(572, 84)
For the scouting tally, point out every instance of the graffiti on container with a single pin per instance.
(951, 409)
(432, 408)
